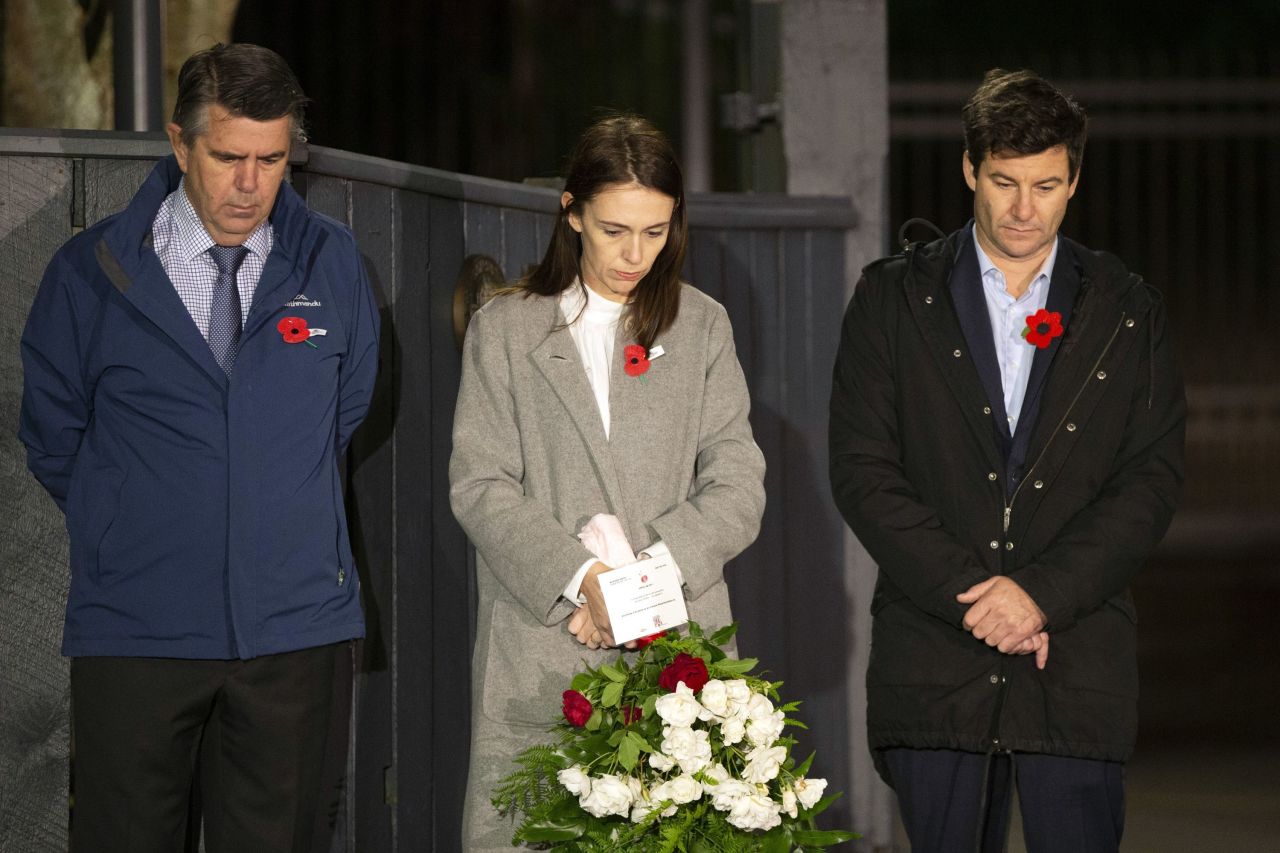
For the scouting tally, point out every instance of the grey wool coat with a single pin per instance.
(531, 464)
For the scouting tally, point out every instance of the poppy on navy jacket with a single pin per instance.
(942, 497)
(205, 513)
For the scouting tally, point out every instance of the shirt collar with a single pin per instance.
(992, 275)
(193, 239)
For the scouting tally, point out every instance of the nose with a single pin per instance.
(1023, 209)
(246, 175)
(631, 251)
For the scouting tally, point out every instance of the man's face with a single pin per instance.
(233, 171)
(1019, 202)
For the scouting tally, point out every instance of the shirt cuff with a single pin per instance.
(660, 549)
(571, 591)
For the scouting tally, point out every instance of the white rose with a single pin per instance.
(680, 790)
(759, 707)
(715, 699)
(610, 795)
(789, 802)
(763, 763)
(661, 763)
(738, 692)
(763, 731)
(809, 791)
(689, 747)
(678, 708)
(733, 730)
(575, 779)
(726, 793)
(755, 811)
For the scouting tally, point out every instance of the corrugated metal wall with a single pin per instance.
(777, 265)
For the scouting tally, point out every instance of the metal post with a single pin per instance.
(695, 117)
(138, 93)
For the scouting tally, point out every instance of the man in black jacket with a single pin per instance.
(1007, 424)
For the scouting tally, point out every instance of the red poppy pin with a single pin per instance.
(635, 360)
(294, 331)
(1042, 327)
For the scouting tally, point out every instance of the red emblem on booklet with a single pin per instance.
(1042, 327)
(635, 360)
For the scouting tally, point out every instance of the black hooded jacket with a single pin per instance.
(921, 471)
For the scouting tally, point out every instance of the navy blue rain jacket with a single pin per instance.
(205, 514)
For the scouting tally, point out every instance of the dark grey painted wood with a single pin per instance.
(35, 218)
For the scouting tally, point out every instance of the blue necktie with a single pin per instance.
(224, 313)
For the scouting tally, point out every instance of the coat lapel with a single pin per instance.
(975, 322)
(934, 311)
(1064, 285)
(557, 359)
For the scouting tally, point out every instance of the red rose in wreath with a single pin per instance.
(635, 360)
(692, 671)
(577, 708)
(630, 713)
(294, 330)
(1042, 327)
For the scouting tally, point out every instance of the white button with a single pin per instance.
(995, 546)
(1039, 484)
(1071, 427)
(991, 476)
(956, 353)
(1102, 374)
(928, 300)
(1008, 546)
(1129, 323)
(995, 679)
(986, 410)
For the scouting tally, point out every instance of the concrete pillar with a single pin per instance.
(835, 126)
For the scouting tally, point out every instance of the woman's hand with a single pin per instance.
(581, 626)
(590, 622)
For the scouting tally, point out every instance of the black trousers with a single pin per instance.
(250, 734)
(959, 802)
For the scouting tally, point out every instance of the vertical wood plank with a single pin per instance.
(35, 219)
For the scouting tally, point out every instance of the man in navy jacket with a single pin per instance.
(194, 369)
(1007, 423)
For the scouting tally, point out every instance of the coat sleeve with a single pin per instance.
(1104, 544)
(721, 516)
(903, 534)
(56, 404)
(359, 369)
(521, 540)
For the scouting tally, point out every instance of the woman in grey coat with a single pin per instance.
(561, 418)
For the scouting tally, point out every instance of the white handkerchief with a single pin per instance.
(603, 536)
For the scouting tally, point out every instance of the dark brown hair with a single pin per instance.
(621, 149)
(246, 80)
(1020, 113)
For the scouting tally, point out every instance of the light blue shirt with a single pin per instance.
(1008, 319)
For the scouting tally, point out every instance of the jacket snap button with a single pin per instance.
(992, 475)
(928, 300)
(956, 353)
(1008, 546)
(1129, 322)
(1102, 374)
(1039, 484)
(342, 576)
(1071, 427)
(986, 410)
(995, 679)
(995, 546)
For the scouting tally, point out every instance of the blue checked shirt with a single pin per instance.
(182, 244)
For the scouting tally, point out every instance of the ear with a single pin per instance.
(970, 174)
(575, 221)
(180, 149)
(1071, 190)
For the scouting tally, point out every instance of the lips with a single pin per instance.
(628, 276)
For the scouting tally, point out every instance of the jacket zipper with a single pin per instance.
(1008, 505)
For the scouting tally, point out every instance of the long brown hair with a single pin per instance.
(621, 149)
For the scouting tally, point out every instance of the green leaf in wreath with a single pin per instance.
(594, 721)
(737, 667)
(639, 741)
(581, 682)
(822, 837)
(725, 634)
(628, 753)
(611, 694)
(612, 673)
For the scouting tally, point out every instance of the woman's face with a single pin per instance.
(623, 229)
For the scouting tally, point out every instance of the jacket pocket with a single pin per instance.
(92, 512)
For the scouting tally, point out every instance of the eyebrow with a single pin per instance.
(625, 227)
(217, 153)
(1055, 179)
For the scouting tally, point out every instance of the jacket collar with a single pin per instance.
(125, 255)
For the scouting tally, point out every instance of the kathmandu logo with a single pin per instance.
(302, 301)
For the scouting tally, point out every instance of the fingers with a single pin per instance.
(973, 593)
(1042, 653)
